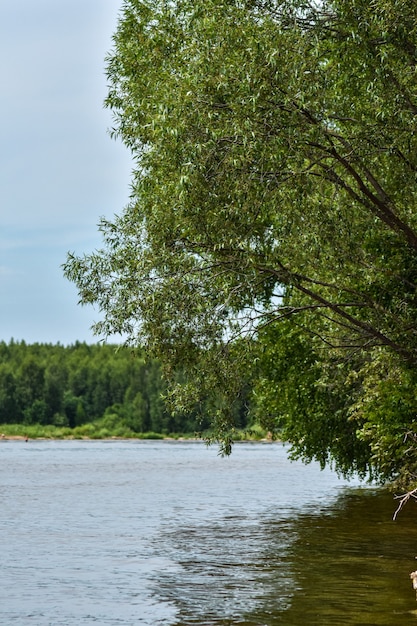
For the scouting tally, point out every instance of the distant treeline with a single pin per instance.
(68, 386)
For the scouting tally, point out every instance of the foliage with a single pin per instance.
(275, 180)
(96, 390)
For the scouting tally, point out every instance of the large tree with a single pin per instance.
(275, 152)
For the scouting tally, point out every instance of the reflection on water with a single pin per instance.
(353, 563)
(228, 573)
(157, 533)
(348, 563)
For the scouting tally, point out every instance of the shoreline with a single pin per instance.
(115, 438)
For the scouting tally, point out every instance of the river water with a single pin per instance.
(155, 533)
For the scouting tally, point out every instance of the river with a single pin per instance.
(150, 533)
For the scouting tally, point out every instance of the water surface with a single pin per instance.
(124, 532)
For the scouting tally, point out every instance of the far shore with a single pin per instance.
(4, 437)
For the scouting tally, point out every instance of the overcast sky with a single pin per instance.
(60, 171)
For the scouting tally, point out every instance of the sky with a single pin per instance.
(60, 171)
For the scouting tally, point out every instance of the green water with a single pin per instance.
(350, 564)
(338, 564)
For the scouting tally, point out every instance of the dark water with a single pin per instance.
(150, 533)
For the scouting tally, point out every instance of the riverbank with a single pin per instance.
(96, 431)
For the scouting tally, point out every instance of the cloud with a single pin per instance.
(57, 162)
(59, 170)
(6, 272)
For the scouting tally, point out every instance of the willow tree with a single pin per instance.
(275, 153)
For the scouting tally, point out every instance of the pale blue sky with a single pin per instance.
(59, 169)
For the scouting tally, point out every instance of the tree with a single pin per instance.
(275, 151)
(8, 402)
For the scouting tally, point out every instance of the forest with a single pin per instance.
(96, 390)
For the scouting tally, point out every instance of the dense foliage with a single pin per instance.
(69, 386)
(272, 227)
